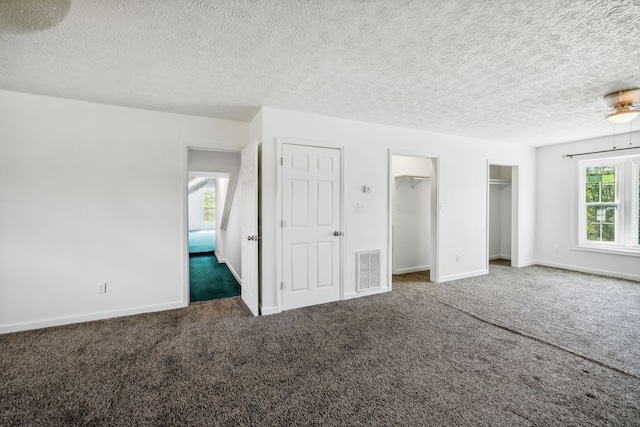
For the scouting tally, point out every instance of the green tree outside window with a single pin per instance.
(209, 207)
(600, 196)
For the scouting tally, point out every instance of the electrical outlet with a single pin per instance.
(458, 257)
(102, 287)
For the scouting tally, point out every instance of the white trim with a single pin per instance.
(266, 311)
(590, 270)
(624, 251)
(101, 315)
(499, 256)
(635, 201)
(463, 275)
(525, 264)
(186, 285)
(412, 269)
(231, 269)
(279, 237)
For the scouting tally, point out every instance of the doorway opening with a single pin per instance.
(208, 277)
(502, 214)
(202, 215)
(413, 195)
(212, 232)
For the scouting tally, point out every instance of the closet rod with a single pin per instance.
(598, 152)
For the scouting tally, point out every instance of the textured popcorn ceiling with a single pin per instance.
(519, 71)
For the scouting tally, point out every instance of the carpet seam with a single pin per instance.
(540, 340)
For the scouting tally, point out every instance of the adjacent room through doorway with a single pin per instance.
(208, 278)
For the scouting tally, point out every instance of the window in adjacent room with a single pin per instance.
(609, 204)
(209, 206)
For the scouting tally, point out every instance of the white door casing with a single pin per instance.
(249, 251)
(311, 225)
(434, 246)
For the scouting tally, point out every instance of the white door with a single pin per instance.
(249, 258)
(311, 229)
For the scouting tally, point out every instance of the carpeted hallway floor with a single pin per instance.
(519, 347)
(202, 241)
(210, 279)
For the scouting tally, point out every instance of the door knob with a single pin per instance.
(249, 238)
(254, 238)
(337, 233)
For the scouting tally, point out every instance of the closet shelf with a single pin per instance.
(415, 179)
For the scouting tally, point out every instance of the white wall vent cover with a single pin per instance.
(368, 270)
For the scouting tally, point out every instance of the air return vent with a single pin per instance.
(368, 270)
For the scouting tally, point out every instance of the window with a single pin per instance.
(209, 207)
(602, 203)
(609, 204)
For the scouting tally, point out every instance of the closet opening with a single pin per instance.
(502, 215)
(413, 218)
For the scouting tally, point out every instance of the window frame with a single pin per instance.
(635, 202)
(627, 202)
(205, 207)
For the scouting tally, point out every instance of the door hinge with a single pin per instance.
(281, 161)
(282, 223)
(281, 285)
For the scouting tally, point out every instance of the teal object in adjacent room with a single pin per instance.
(202, 241)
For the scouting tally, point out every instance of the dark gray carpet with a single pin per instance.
(424, 354)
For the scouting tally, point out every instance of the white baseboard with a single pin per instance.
(67, 320)
(265, 311)
(463, 275)
(526, 264)
(368, 292)
(590, 270)
(231, 269)
(412, 269)
(492, 257)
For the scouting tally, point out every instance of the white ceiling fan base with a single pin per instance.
(624, 97)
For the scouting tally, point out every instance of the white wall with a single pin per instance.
(462, 181)
(112, 183)
(411, 214)
(230, 239)
(221, 194)
(196, 211)
(556, 217)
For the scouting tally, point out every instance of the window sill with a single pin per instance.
(610, 251)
